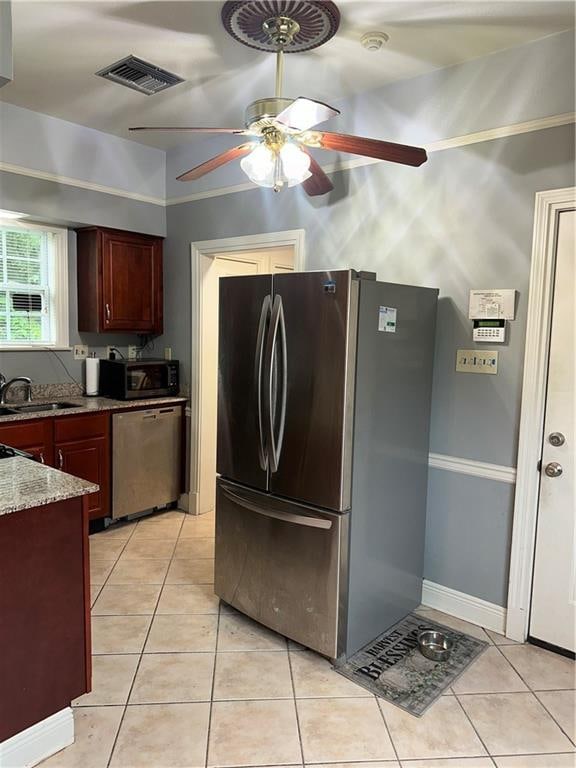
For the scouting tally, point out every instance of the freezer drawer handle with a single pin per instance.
(264, 318)
(276, 323)
(286, 517)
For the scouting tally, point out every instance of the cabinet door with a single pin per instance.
(35, 437)
(89, 460)
(131, 283)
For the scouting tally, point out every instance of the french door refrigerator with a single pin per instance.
(324, 391)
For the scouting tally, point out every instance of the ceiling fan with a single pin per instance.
(281, 131)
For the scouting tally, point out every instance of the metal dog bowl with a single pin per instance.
(435, 645)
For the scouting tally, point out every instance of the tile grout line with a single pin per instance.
(298, 728)
(533, 692)
(115, 742)
(212, 686)
(388, 731)
(480, 739)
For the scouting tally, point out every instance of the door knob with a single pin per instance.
(553, 469)
(556, 439)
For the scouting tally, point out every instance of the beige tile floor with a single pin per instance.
(182, 681)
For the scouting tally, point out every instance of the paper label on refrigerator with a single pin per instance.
(387, 319)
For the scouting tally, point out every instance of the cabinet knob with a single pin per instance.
(107, 311)
(60, 459)
(41, 457)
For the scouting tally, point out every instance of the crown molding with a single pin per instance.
(68, 181)
(516, 129)
(490, 134)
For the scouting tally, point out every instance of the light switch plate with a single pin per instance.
(80, 351)
(476, 361)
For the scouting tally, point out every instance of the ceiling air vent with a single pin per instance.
(140, 75)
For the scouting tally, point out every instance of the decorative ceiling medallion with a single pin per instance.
(246, 21)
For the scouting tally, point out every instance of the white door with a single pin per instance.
(553, 612)
(215, 266)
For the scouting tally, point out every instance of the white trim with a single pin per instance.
(39, 741)
(498, 472)
(292, 237)
(515, 129)
(463, 606)
(71, 182)
(547, 208)
(490, 134)
(58, 289)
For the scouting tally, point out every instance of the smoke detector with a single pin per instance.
(373, 41)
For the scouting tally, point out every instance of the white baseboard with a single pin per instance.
(39, 741)
(463, 606)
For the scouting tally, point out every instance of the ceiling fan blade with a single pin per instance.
(215, 162)
(187, 128)
(318, 183)
(382, 150)
(304, 113)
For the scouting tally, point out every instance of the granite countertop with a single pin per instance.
(25, 483)
(85, 405)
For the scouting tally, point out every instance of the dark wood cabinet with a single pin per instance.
(119, 281)
(33, 436)
(82, 448)
(45, 646)
(79, 445)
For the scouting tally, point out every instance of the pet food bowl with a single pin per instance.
(435, 645)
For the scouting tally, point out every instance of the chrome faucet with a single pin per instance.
(5, 386)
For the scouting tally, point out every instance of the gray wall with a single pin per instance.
(463, 220)
(512, 86)
(47, 367)
(6, 54)
(46, 144)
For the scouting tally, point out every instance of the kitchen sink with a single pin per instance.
(38, 407)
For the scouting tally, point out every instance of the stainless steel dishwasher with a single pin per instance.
(146, 459)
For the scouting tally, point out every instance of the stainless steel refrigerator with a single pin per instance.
(324, 388)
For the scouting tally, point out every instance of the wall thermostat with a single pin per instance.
(489, 330)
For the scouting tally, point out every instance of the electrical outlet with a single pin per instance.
(108, 351)
(80, 351)
(132, 351)
(167, 353)
(476, 361)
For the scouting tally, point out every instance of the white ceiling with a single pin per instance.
(59, 45)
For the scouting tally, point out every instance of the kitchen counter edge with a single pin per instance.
(25, 484)
(89, 405)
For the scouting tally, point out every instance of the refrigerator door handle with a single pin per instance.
(287, 517)
(264, 319)
(276, 324)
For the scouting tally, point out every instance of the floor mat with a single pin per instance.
(393, 668)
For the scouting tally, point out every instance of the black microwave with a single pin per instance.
(134, 379)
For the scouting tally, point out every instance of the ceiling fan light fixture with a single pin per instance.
(260, 166)
(267, 167)
(295, 164)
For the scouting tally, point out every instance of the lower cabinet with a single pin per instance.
(79, 445)
(82, 448)
(35, 437)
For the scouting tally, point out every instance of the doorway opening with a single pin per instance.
(274, 252)
(542, 589)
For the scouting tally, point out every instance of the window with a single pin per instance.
(33, 286)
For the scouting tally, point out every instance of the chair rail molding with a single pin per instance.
(548, 206)
(474, 468)
(291, 237)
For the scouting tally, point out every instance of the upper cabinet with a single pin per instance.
(119, 281)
